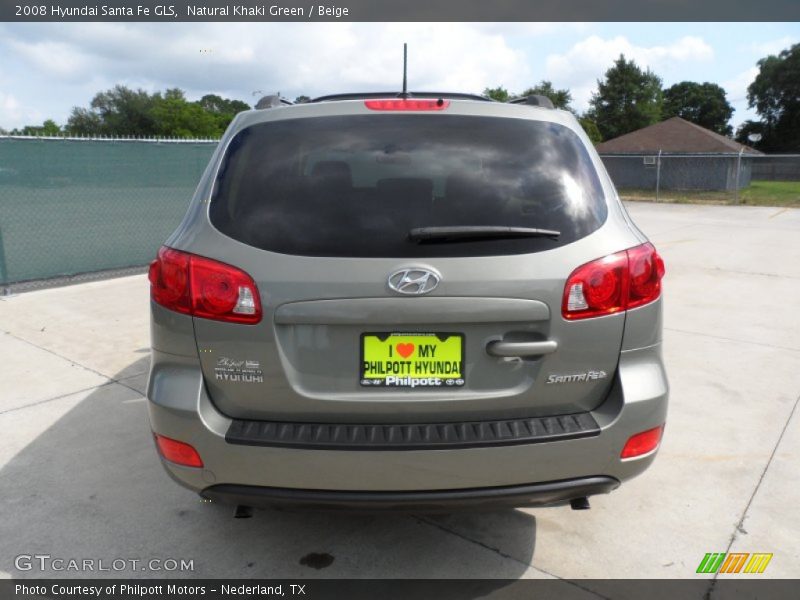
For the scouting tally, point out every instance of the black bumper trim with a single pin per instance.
(534, 494)
(411, 436)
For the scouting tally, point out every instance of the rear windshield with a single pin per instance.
(357, 185)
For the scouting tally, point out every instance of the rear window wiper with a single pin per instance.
(463, 233)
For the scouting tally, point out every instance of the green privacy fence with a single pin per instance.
(70, 206)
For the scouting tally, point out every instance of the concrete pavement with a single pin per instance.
(80, 478)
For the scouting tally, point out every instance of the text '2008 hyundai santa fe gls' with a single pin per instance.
(429, 301)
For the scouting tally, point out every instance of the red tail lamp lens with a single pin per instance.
(407, 104)
(177, 452)
(642, 443)
(169, 280)
(214, 286)
(603, 288)
(596, 288)
(613, 283)
(203, 287)
(646, 271)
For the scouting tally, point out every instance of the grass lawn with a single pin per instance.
(758, 193)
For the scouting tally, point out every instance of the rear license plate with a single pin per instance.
(412, 360)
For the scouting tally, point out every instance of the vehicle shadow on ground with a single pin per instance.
(91, 487)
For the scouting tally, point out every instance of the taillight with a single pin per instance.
(180, 453)
(596, 288)
(613, 283)
(169, 280)
(407, 104)
(646, 269)
(642, 443)
(203, 287)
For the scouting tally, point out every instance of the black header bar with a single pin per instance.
(394, 589)
(399, 10)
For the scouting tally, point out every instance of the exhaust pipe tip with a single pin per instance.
(580, 503)
(243, 512)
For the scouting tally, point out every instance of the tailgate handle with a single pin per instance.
(500, 348)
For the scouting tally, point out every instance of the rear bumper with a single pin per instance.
(411, 436)
(180, 409)
(538, 494)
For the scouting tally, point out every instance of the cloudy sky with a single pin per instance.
(47, 68)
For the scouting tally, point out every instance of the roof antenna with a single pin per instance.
(405, 71)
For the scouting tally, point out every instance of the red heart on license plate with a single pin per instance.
(405, 350)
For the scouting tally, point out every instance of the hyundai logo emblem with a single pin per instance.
(413, 282)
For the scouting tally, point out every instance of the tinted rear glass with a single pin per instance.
(356, 185)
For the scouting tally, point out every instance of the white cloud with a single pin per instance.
(763, 49)
(236, 59)
(736, 92)
(57, 59)
(8, 102)
(588, 60)
(49, 67)
(736, 87)
(13, 114)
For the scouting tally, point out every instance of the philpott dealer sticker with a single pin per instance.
(238, 371)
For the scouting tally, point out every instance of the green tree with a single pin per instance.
(701, 103)
(84, 121)
(121, 111)
(302, 99)
(222, 106)
(626, 100)
(49, 127)
(559, 98)
(590, 127)
(775, 94)
(499, 93)
(173, 116)
(223, 109)
(125, 111)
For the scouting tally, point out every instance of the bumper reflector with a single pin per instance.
(642, 443)
(177, 452)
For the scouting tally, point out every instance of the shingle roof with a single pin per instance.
(672, 135)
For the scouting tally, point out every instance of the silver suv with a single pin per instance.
(420, 302)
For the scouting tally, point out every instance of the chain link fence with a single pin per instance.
(70, 206)
(735, 178)
(777, 167)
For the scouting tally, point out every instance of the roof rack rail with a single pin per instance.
(534, 100)
(272, 101)
(375, 95)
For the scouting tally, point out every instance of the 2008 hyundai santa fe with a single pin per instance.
(419, 302)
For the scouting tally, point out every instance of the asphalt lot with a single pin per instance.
(79, 477)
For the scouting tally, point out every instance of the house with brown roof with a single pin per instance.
(677, 154)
